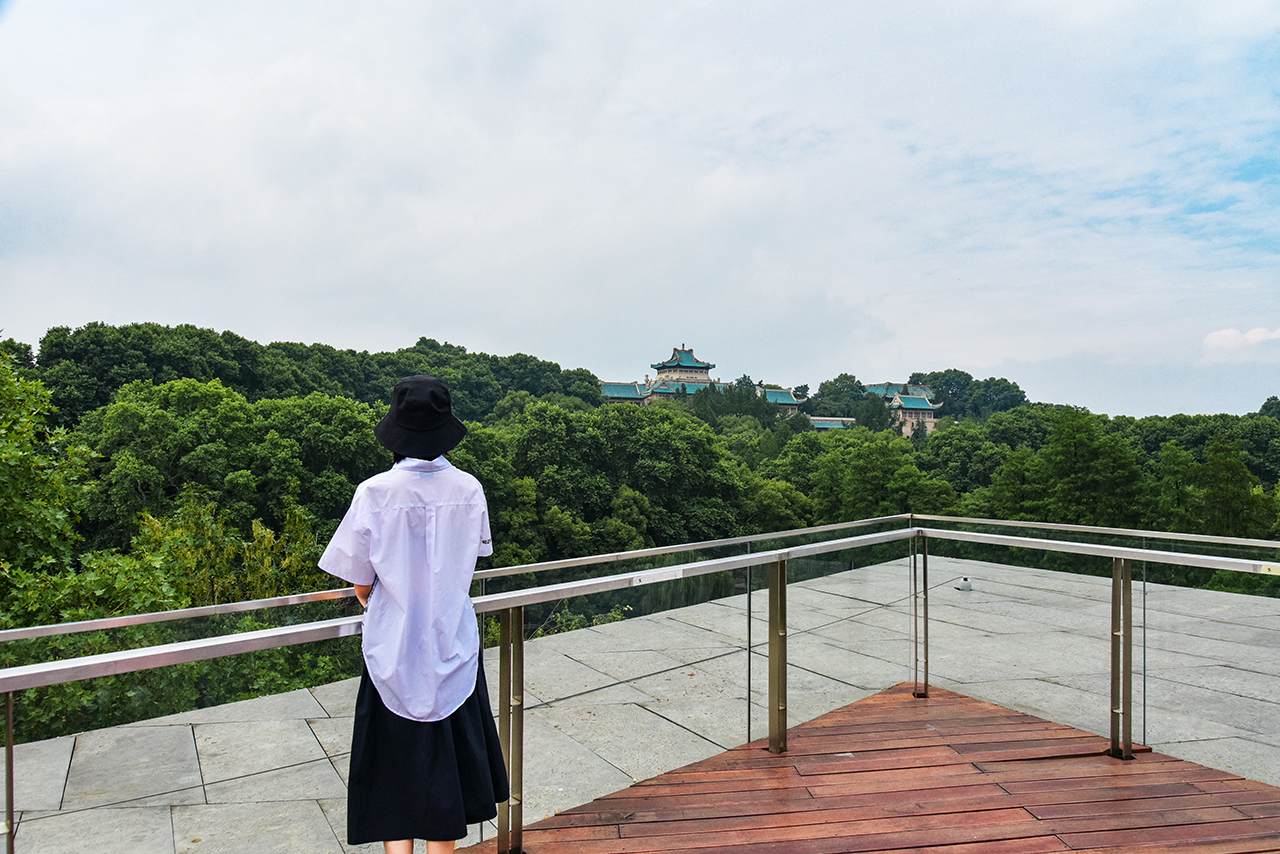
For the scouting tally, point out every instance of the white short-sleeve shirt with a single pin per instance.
(414, 533)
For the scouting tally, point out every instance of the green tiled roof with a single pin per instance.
(888, 390)
(682, 359)
(778, 395)
(629, 391)
(919, 403)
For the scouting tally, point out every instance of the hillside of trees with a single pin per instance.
(145, 467)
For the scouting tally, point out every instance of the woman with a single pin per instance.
(425, 759)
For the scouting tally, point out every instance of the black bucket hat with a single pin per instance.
(421, 423)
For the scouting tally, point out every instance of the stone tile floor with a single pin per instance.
(622, 702)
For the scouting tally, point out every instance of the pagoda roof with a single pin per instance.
(909, 401)
(780, 395)
(681, 358)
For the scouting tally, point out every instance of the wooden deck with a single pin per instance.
(944, 774)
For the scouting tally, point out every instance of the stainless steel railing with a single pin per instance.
(510, 605)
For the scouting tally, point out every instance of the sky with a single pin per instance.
(1079, 196)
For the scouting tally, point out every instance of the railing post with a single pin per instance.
(1121, 658)
(777, 657)
(511, 725)
(8, 772)
(920, 546)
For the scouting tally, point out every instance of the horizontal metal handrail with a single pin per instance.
(615, 557)
(125, 661)
(586, 587)
(102, 623)
(54, 629)
(1233, 564)
(181, 652)
(1095, 529)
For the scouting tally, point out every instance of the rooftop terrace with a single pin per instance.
(624, 702)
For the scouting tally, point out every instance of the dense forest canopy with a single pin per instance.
(145, 467)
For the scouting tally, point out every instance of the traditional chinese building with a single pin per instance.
(909, 405)
(685, 373)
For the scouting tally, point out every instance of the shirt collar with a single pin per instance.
(413, 464)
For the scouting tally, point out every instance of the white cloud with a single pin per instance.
(794, 190)
(1232, 345)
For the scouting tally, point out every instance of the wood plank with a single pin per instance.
(1183, 834)
(947, 775)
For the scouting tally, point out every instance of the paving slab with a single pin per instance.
(829, 603)
(1249, 758)
(126, 763)
(335, 811)
(555, 677)
(633, 739)
(108, 830)
(559, 772)
(1242, 714)
(855, 631)
(309, 780)
(728, 622)
(894, 620)
(342, 765)
(696, 682)
(1063, 704)
(662, 633)
(230, 750)
(193, 795)
(982, 620)
(590, 640)
(334, 734)
(338, 699)
(1207, 650)
(722, 722)
(839, 663)
(284, 827)
(1232, 680)
(293, 704)
(798, 618)
(40, 773)
(807, 706)
(626, 665)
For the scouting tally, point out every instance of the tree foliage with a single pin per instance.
(40, 473)
(145, 468)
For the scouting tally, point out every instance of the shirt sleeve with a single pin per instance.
(486, 539)
(347, 555)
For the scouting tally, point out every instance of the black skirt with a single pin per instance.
(422, 779)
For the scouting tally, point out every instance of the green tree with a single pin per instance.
(41, 473)
(986, 397)
(950, 388)
(254, 458)
(580, 462)
(876, 477)
(1023, 427)
(23, 357)
(837, 397)
(872, 413)
(714, 403)
(1229, 499)
(963, 456)
(1081, 476)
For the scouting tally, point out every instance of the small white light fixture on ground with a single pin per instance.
(965, 583)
